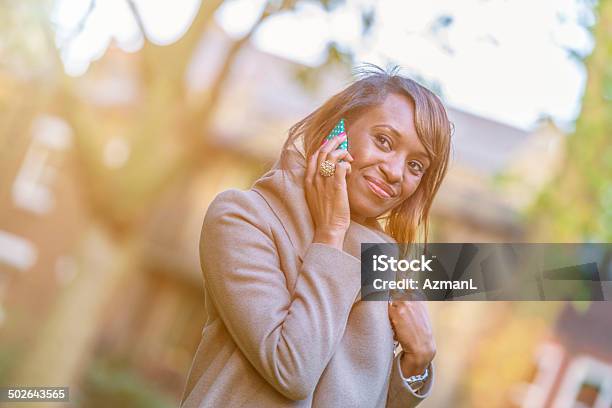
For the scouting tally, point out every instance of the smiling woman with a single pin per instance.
(399, 136)
(281, 261)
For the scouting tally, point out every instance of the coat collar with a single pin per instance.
(283, 190)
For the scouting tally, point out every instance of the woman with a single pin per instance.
(286, 326)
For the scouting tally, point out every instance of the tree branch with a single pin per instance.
(169, 63)
(79, 28)
(137, 17)
(204, 108)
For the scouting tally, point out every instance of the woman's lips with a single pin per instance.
(377, 190)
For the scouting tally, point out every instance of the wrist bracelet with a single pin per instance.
(418, 377)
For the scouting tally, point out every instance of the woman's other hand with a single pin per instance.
(327, 197)
(412, 328)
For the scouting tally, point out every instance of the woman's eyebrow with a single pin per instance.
(391, 129)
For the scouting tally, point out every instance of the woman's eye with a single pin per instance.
(382, 140)
(416, 166)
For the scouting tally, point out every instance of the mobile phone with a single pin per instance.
(338, 129)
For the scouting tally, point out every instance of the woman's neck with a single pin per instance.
(367, 222)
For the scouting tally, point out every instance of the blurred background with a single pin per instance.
(120, 120)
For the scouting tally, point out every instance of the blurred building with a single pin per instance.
(574, 367)
(496, 170)
(155, 319)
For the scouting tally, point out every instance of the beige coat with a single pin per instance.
(286, 327)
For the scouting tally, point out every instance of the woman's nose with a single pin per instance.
(393, 169)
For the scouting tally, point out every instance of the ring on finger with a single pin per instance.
(327, 168)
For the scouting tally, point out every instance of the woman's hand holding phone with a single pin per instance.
(327, 197)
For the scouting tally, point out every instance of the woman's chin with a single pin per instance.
(361, 211)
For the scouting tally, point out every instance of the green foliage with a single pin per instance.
(330, 5)
(577, 205)
(582, 306)
(108, 384)
(9, 358)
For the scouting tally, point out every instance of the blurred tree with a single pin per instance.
(168, 138)
(23, 73)
(577, 206)
(107, 384)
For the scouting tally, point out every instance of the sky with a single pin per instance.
(502, 59)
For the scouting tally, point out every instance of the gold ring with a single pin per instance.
(327, 168)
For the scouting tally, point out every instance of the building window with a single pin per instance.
(587, 384)
(587, 395)
(16, 251)
(31, 189)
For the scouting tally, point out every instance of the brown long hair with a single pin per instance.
(371, 87)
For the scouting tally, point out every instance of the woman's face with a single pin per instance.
(389, 159)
